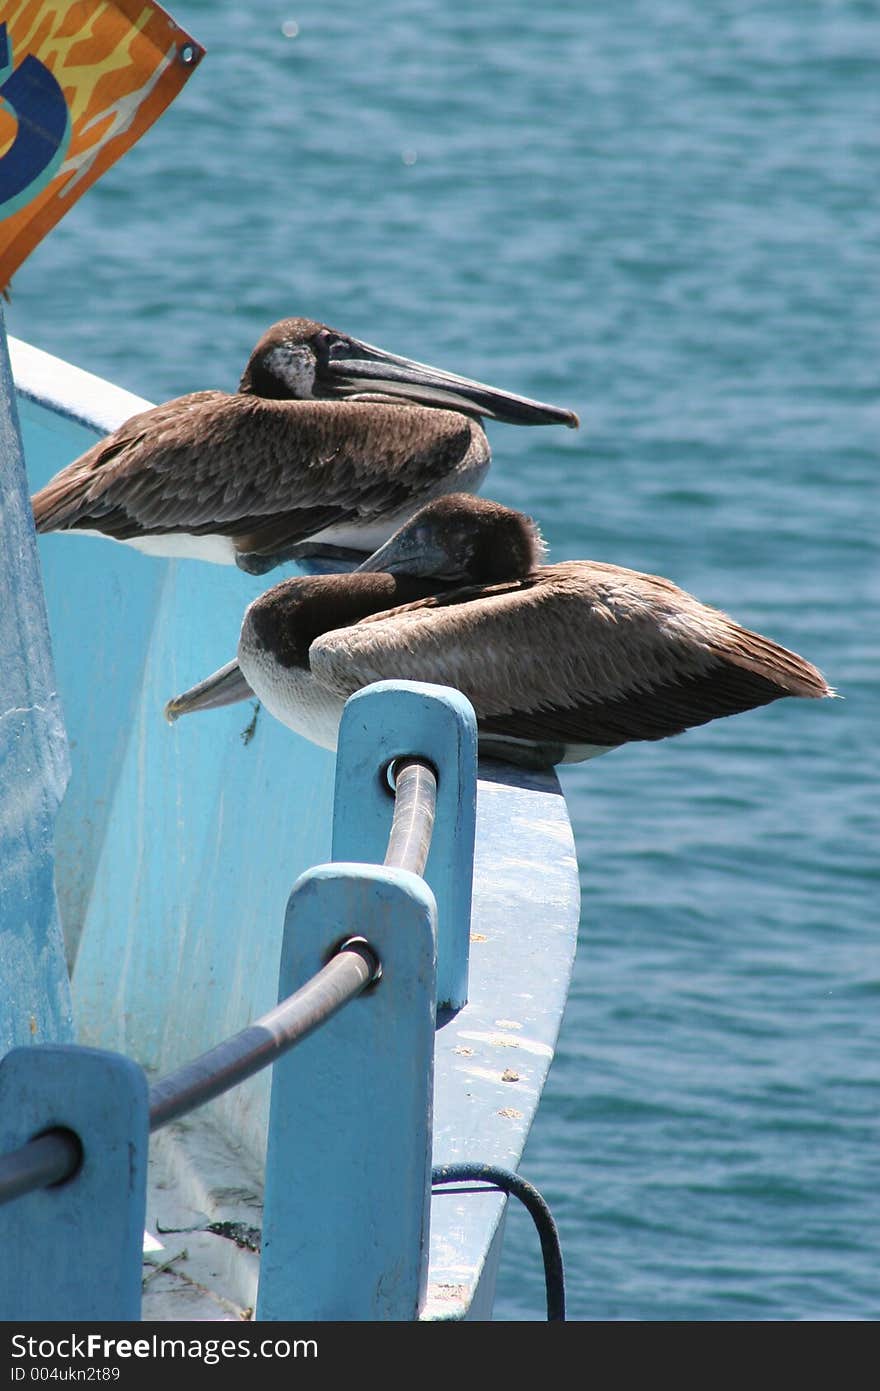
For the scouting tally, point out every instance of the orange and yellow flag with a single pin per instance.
(80, 82)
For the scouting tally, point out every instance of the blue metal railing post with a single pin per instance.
(386, 721)
(348, 1165)
(73, 1251)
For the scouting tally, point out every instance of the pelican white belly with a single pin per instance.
(292, 695)
(219, 550)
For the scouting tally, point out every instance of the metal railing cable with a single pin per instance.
(351, 970)
(56, 1155)
(415, 801)
(47, 1159)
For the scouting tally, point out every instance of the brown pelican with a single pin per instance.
(285, 467)
(561, 662)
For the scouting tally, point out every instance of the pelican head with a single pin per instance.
(304, 360)
(462, 539)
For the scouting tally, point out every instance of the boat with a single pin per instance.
(204, 872)
(274, 1023)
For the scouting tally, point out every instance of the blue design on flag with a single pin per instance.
(44, 128)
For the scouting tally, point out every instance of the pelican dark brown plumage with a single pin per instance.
(561, 662)
(327, 447)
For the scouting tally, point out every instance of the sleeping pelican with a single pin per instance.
(286, 468)
(561, 662)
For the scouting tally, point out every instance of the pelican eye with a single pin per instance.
(334, 346)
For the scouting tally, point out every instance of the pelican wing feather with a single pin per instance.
(580, 650)
(212, 462)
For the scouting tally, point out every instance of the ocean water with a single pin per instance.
(665, 216)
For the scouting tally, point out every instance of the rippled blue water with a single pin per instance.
(665, 216)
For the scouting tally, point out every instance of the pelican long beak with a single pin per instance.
(226, 687)
(355, 368)
(410, 552)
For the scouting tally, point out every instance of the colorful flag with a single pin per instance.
(80, 82)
